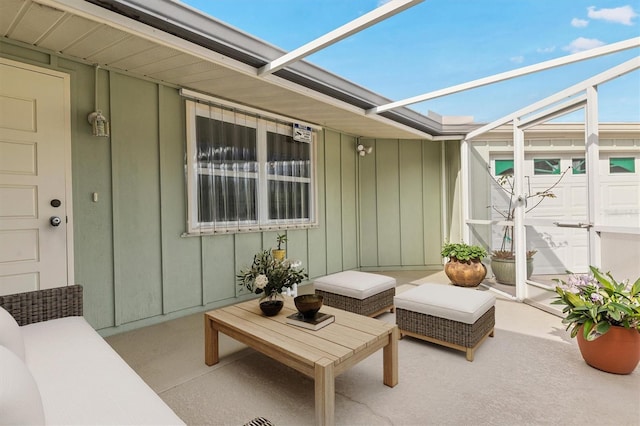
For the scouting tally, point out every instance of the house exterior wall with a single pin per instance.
(377, 212)
(453, 192)
(399, 187)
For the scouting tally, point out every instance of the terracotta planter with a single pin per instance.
(617, 351)
(505, 270)
(465, 274)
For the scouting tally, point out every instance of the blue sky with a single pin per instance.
(440, 43)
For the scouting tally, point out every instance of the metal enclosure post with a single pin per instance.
(464, 186)
(592, 154)
(444, 209)
(519, 232)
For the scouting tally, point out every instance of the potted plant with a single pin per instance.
(280, 253)
(503, 259)
(605, 317)
(465, 267)
(268, 277)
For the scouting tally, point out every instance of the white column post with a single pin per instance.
(591, 139)
(464, 189)
(519, 232)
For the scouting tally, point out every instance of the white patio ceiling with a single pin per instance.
(92, 34)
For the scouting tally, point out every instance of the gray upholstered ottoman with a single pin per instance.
(361, 292)
(456, 317)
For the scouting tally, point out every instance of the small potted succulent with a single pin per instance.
(604, 315)
(280, 253)
(465, 267)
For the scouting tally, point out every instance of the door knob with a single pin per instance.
(55, 221)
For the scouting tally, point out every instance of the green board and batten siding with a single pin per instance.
(411, 201)
(400, 205)
(348, 203)
(137, 229)
(374, 212)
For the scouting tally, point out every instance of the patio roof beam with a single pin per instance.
(610, 74)
(557, 111)
(576, 57)
(194, 22)
(365, 21)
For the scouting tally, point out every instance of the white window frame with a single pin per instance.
(263, 123)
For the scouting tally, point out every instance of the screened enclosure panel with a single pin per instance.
(493, 199)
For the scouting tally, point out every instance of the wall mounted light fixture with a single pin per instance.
(99, 123)
(363, 150)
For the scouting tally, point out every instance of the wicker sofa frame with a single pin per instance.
(371, 306)
(43, 305)
(453, 334)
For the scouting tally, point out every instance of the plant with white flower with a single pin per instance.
(261, 281)
(267, 275)
(597, 301)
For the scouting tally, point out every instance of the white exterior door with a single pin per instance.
(35, 179)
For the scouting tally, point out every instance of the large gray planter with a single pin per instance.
(505, 270)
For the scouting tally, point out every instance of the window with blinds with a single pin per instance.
(246, 172)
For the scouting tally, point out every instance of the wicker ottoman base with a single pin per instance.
(370, 306)
(453, 334)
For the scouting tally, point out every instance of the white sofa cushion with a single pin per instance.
(10, 334)
(82, 380)
(356, 284)
(20, 402)
(446, 301)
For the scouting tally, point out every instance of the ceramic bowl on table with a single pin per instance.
(308, 304)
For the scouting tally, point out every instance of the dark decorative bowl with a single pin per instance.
(308, 304)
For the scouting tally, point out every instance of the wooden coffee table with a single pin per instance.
(321, 354)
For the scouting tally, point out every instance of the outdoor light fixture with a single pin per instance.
(99, 123)
(363, 150)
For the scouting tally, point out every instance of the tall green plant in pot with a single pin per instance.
(503, 258)
(465, 267)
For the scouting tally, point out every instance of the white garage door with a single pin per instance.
(556, 224)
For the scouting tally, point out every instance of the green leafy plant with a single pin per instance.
(281, 239)
(268, 275)
(463, 252)
(508, 254)
(597, 302)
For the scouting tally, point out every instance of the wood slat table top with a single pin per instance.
(348, 335)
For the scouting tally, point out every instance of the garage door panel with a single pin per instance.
(621, 195)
